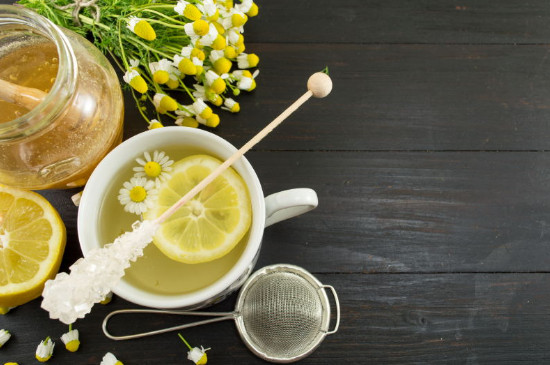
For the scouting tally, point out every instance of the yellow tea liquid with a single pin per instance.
(155, 272)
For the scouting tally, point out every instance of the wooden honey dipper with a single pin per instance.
(26, 97)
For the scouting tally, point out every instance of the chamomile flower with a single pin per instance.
(154, 124)
(185, 65)
(245, 80)
(195, 354)
(248, 7)
(137, 195)
(141, 28)
(188, 10)
(235, 19)
(44, 351)
(246, 60)
(174, 78)
(208, 39)
(5, 335)
(187, 122)
(161, 70)
(220, 64)
(197, 28)
(70, 339)
(156, 168)
(201, 109)
(209, 9)
(215, 82)
(164, 103)
(212, 121)
(135, 80)
(231, 105)
(110, 359)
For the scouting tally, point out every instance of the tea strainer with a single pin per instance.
(282, 314)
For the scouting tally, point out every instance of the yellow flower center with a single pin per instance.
(240, 48)
(202, 360)
(218, 86)
(189, 122)
(253, 60)
(152, 169)
(145, 30)
(187, 67)
(195, 52)
(169, 104)
(213, 121)
(73, 345)
(253, 10)
(215, 99)
(139, 84)
(161, 77)
(200, 27)
(230, 52)
(191, 12)
(219, 28)
(138, 194)
(235, 108)
(219, 43)
(206, 113)
(222, 65)
(238, 19)
(172, 83)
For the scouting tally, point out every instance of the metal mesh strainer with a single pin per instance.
(282, 314)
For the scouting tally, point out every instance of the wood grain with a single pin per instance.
(386, 319)
(401, 21)
(400, 98)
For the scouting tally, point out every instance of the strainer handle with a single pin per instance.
(218, 316)
(337, 303)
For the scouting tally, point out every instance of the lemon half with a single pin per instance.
(32, 241)
(209, 225)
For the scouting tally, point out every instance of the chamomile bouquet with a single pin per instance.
(181, 57)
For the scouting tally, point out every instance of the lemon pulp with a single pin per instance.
(32, 241)
(212, 223)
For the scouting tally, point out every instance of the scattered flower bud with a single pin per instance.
(110, 359)
(195, 354)
(70, 339)
(109, 295)
(5, 335)
(44, 351)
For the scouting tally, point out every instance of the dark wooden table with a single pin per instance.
(430, 159)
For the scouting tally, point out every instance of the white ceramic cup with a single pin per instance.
(265, 211)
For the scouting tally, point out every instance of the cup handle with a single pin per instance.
(289, 203)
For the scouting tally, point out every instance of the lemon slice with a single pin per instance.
(32, 240)
(209, 225)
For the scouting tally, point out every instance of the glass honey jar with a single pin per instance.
(57, 143)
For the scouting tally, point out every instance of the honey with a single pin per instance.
(34, 67)
(58, 143)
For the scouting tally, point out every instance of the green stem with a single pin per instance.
(139, 106)
(158, 13)
(183, 339)
(141, 44)
(187, 90)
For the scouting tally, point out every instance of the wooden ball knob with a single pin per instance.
(319, 84)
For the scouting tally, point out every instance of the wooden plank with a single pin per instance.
(386, 319)
(390, 97)
(401, 212)
(400, 21)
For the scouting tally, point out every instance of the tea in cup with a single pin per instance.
(155, 280)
